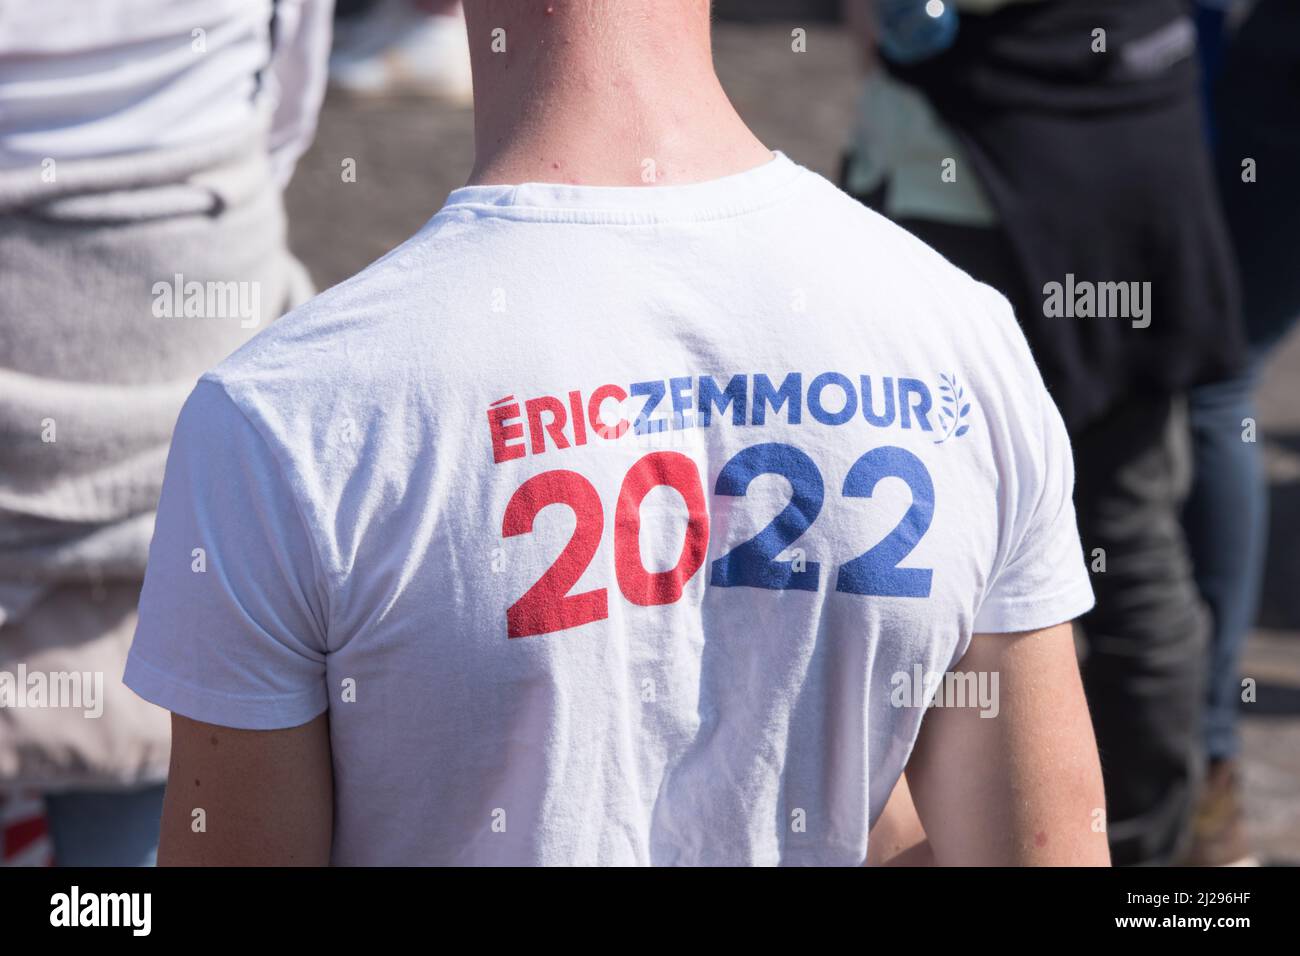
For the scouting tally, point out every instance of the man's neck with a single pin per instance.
(601, 93)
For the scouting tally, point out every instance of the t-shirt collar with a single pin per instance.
(716, 198)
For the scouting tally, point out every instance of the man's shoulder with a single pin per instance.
(884, 248)
(348, 336)
(913, 290)
(884, 264)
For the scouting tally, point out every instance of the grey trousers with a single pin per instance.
(121, 281)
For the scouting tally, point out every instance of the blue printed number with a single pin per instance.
(877, 572)
(753, 564)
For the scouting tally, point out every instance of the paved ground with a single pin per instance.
(408, 155)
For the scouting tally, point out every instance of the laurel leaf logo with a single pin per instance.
(954, 408)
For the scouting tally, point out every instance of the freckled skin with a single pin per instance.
(274, 784)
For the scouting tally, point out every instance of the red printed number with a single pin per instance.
(547, 606)
(679, 473)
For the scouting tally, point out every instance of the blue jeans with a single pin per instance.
(1226, 521)
(105, 827)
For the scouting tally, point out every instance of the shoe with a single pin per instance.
(396, 49)
(1218, 824)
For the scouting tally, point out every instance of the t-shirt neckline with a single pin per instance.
(730, 195)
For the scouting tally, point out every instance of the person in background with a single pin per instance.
(1253, 82)
(144, 145)
(396, 47)
(1055, 150)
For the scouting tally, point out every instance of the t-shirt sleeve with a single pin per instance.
(1041, 578)
(231, 623)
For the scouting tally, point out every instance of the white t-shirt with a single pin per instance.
(612, 524)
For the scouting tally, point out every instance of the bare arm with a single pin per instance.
(267, 796)
(1023, 787)
(898, 838)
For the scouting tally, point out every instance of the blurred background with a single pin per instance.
(395, 135)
